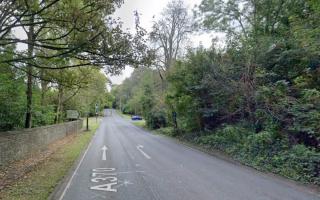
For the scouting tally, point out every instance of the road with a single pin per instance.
(124, 162)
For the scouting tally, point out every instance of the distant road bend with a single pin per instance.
(124, 162)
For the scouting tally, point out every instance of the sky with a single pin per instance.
(147, 9)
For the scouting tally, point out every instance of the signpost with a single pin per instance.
(97, 110)
(174, 117)
(87, 121)
(72, 114)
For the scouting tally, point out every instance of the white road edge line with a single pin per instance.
(139, 147)
(76, 170)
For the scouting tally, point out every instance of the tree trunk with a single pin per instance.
(44, 88)
(28, 120)
(59, 106)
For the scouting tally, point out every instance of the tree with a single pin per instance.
(80, 32)
(258, 98)
(12, 102)
(251, 28)
(274, 43)
(93, 92)
(169, 34)
(203, 91)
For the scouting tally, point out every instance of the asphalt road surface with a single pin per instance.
(124, 162)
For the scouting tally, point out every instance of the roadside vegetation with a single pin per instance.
(140, 123)
(42, 180)
(254, 94)
(256, 98)
(54, 55)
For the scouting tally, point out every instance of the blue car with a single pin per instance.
(136, 117)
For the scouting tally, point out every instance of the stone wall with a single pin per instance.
(16, 145)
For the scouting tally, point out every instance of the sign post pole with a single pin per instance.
(87, 121)
(97, 108)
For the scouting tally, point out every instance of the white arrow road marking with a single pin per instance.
(104, 152)
(139, 147)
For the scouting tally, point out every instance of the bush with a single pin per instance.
(259, 149)
(265, 143)
(166, 131)
(43, 115)
(268, 151)
(229, 139)
(299, 163)
(127, 110)
(226, 138)
(156, 119)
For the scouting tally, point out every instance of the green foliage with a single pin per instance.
(266, 77)
(156, 119)
(266, 150)
(263, 144)
(227, 138)
(46, 100)
(298, 162)
(62, 56)
(139, 95)
(169, 131)
(91, 92)
(147, 101)
(12, 106)
(43, 115)
(200, 90)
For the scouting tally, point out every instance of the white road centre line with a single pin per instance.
(139, 147)
(104, 152)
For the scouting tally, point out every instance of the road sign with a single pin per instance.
(97, 108)
(72, 114)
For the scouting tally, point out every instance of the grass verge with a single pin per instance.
(41, 181)
(140, 123)
(126, 116)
